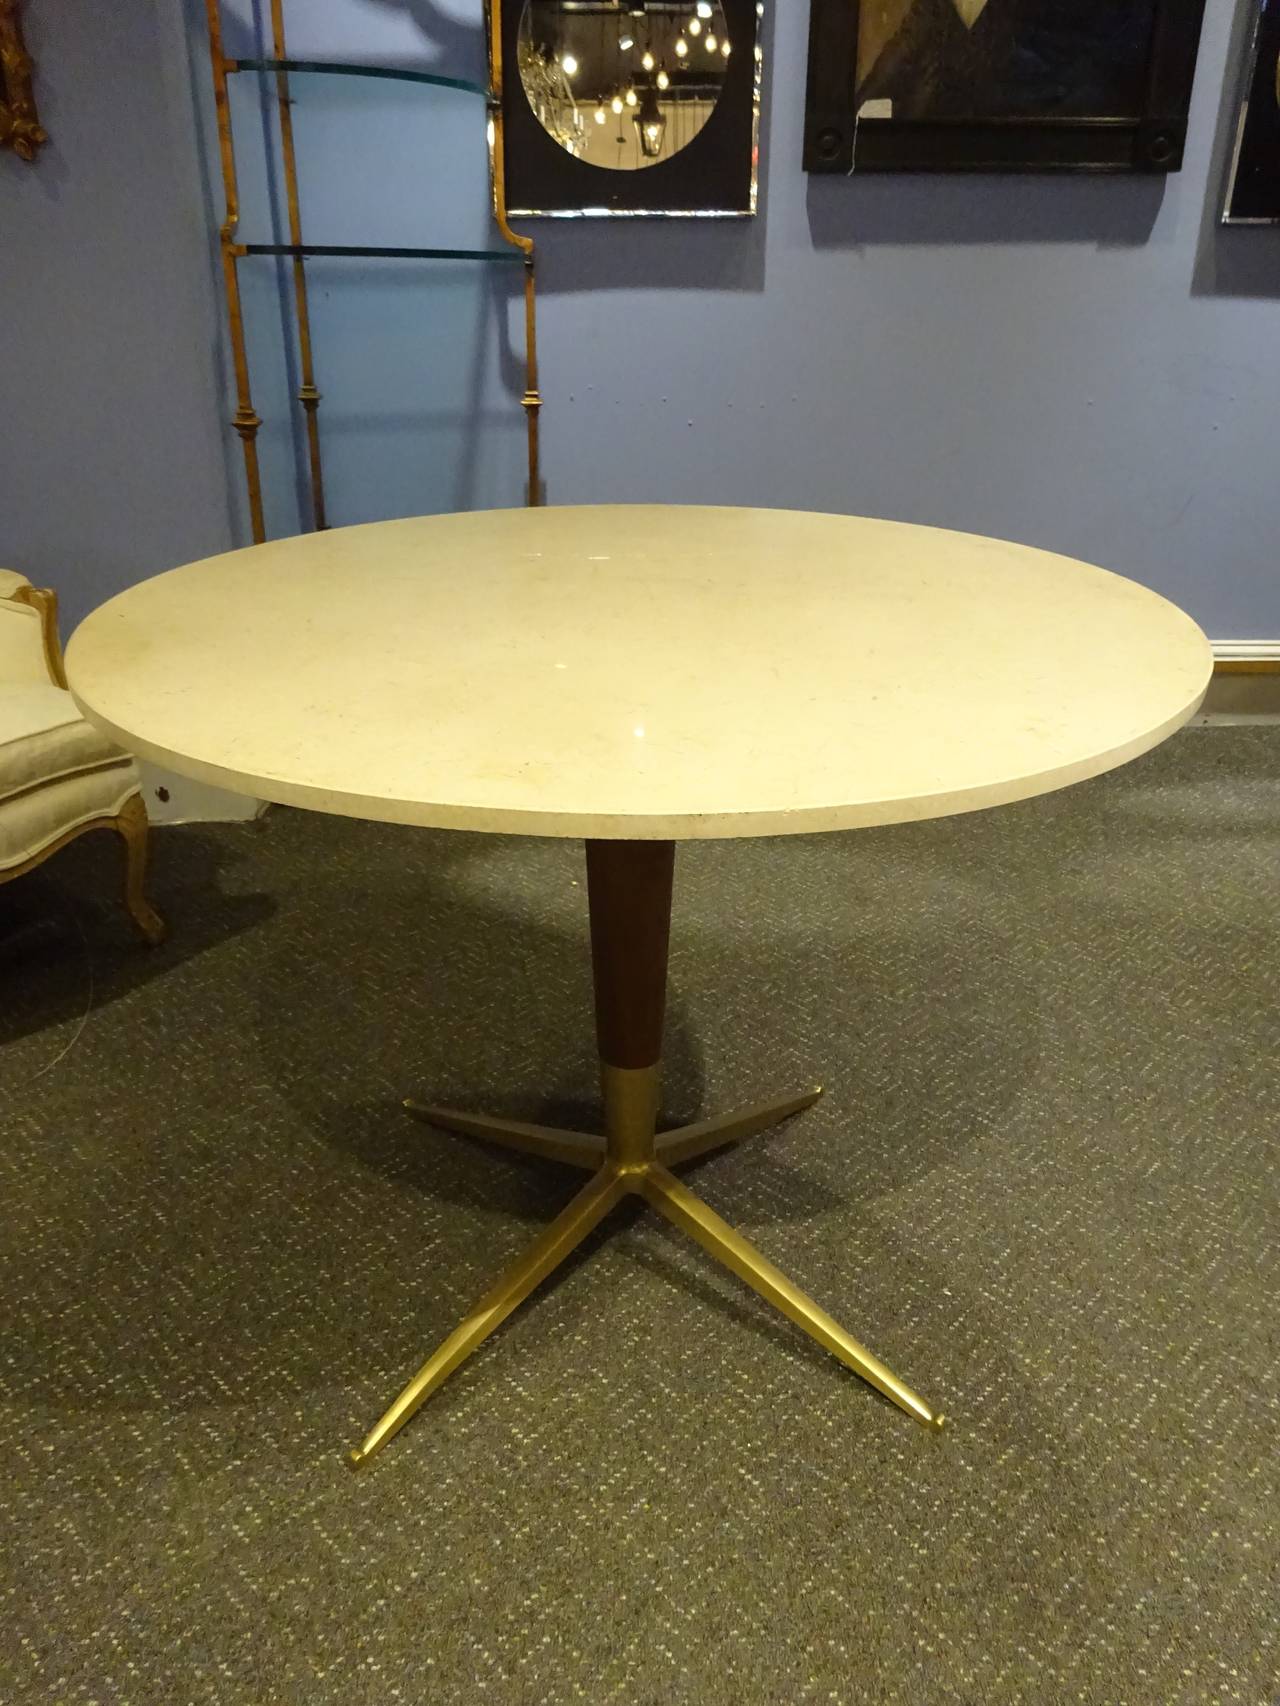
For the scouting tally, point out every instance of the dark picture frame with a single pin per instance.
(1253, 183)
(1150, 140)
(714, 175)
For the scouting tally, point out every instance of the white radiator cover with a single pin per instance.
(177, 799)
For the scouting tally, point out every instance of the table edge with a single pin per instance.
(615, 826)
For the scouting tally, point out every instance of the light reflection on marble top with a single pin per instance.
(639, 671)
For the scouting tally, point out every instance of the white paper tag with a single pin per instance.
(882, 108)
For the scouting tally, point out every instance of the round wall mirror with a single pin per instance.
(621, 84)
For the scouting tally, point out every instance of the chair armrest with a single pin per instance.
(18, 590)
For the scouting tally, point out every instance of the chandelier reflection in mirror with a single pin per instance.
(623, 86)
(646, 107)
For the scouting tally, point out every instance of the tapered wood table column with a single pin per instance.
(629, 892)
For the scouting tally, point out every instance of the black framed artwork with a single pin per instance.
(1253, 190)
(999, 85)
(640, 107)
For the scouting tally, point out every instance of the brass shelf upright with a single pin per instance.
(308, 396)
(531, 402)
(246, 420)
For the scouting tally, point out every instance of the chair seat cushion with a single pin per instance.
(44, 738)
(37, 820)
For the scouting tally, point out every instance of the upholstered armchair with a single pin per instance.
(58, 776)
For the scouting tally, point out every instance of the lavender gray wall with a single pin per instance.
(1089, 366)
(111, 453)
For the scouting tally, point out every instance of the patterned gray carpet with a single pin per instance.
(1042, 1185)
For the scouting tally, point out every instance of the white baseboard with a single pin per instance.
(176, 799)
(1246, 651)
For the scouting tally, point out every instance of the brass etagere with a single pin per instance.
(246, 419)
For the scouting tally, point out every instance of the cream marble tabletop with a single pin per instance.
(639, 672)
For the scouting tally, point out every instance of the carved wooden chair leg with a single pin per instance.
(133, 826)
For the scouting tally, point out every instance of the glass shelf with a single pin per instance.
(300, 250)
(339, 69)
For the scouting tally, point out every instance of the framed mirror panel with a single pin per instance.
(629, 107)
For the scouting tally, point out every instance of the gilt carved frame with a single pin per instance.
(20, 129)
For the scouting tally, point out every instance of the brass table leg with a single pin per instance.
(690, 1141)
(629, 887)
(687, 1211)
(573, 1148)
(543, 1256)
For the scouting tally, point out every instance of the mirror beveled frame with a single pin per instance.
(714, 176)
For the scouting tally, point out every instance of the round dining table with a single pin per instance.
(638, 676)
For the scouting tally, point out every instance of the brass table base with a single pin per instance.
(633, 1159)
